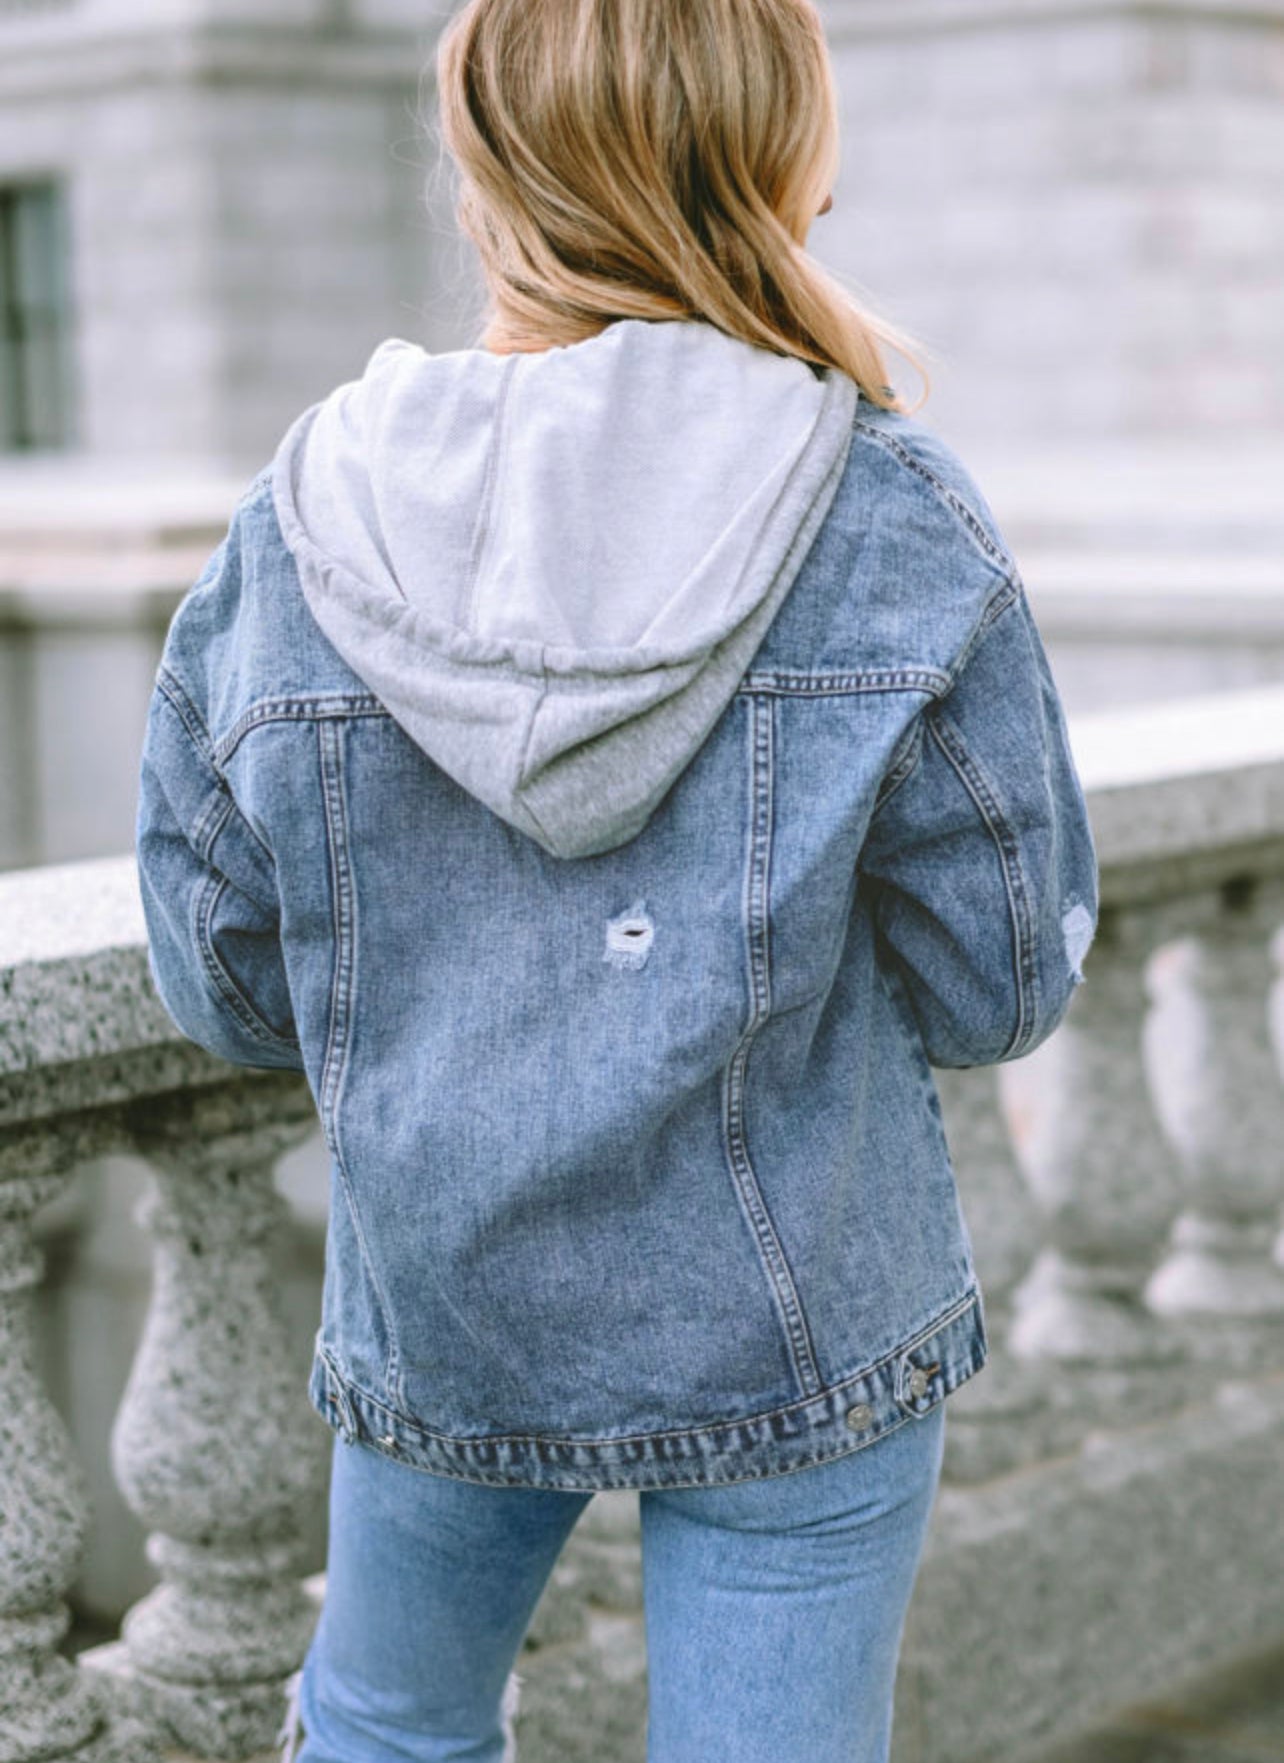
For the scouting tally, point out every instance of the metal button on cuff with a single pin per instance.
(859, 1417)
(918, 1383)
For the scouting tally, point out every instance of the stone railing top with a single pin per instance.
(1185, 794)
(62, 913)
(80, 1023)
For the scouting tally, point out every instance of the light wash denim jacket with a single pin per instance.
(615, 832)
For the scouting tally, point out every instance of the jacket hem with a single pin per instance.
(846, 1416)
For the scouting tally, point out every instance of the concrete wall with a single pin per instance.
(1077, 203)
(245, 198)
(1080, 206)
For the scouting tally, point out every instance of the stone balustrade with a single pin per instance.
(1108, 1523)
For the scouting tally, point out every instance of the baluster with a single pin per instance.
(994, 1424)
(214, 1446)
(1103, 1175)
(48, 1709)
(1216, 1082)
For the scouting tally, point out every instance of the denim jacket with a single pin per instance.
(621, 1040)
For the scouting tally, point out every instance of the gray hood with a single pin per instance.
(554, 569)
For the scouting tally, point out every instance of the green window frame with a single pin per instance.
(35, 319)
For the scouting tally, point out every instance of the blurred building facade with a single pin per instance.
(1079, 204)
(211, 211)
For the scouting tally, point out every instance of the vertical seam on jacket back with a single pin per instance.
(343, 907)
(755, 902)
(949, 739)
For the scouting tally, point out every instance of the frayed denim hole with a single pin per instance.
(1077, 928)
(629, 938)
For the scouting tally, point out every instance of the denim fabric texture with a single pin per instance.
(774, 1610)
(638, 1170)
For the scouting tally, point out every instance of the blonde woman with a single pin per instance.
(614, 763)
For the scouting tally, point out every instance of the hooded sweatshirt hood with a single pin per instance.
(554, 569)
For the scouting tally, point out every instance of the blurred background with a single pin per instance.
(212, 211)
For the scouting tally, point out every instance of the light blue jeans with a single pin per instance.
(774, 1609)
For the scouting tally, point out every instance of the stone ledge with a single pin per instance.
(81, 1026)
(1179, 1515)
(74, 982)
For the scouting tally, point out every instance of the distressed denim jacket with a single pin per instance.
(638, 1175)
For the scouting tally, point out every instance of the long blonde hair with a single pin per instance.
(653, 159)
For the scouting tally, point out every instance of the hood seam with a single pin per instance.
(483, 539)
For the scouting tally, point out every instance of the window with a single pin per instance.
(35, 402)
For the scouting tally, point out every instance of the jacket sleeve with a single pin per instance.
(209, 897)
(979, 866)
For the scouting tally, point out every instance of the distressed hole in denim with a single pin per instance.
(629, 938)
(1077, 928)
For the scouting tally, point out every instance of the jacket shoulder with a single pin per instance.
(909, 564)
(923, 469)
